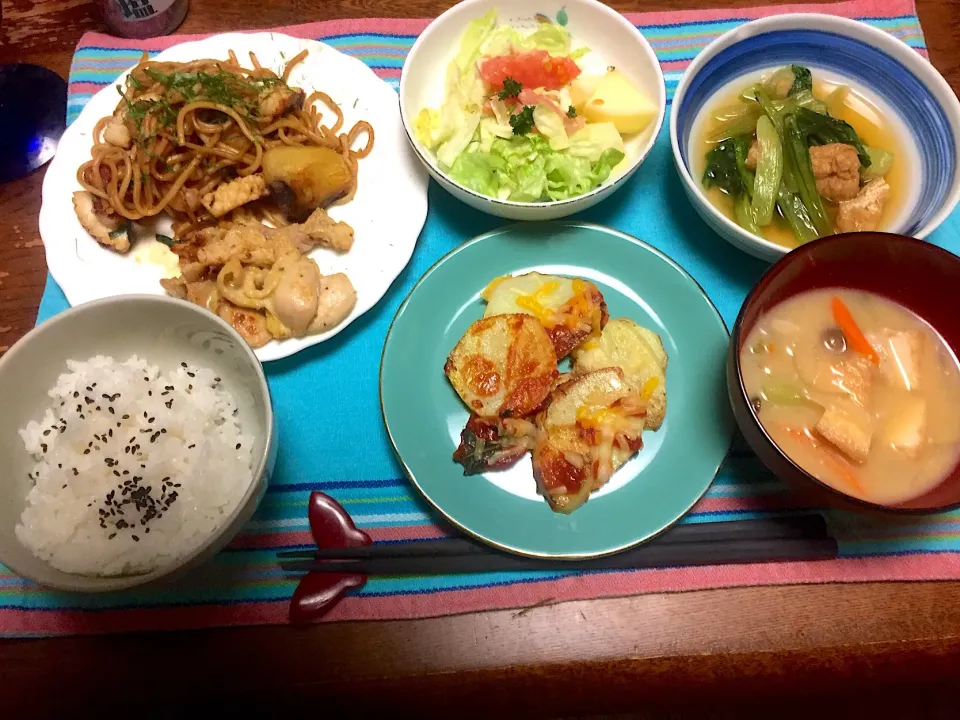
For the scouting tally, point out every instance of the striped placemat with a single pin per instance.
(336, 390)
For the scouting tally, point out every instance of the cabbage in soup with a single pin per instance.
(858, 391)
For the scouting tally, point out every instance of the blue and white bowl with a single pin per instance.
(888, 73)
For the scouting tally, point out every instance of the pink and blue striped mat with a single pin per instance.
(326, 400)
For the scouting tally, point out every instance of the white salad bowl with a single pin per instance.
(909, 91)
(164, 331)
(612, 41)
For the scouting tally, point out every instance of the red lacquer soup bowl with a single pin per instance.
(917, 275)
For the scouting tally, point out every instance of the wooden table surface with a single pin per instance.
(784, 651)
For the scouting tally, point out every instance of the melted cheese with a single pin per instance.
(553, 300)
(533, 303)
(607, 419)
(596, 417)
(494, 284)
(649, 387)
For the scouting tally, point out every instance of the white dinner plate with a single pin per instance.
(387, 212)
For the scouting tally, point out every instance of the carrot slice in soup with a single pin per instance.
(844, 319)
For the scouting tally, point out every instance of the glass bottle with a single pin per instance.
(143, 18)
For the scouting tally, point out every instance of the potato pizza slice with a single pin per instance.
(637, 351)
(503, 366)
(570, 309)
(590, 428)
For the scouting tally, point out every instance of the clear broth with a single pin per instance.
(874, 130)
(786, 350)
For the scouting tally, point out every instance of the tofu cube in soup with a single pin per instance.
(849, 428)
(905, 431)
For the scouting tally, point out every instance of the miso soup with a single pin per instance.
(858, 391)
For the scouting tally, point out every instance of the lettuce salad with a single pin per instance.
(508, 126)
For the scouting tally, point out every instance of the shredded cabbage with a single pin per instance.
(526, 169)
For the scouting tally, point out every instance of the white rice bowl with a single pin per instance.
(126, 481)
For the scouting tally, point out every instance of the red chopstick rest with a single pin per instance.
(318, 593)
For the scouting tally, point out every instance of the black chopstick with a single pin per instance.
(796, 526)
(651, 555)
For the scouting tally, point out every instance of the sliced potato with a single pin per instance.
(639, 353)
(616, 100)
(566, 464)
(569, 308)
(503, 365)
(582, 88)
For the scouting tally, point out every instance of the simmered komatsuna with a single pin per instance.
(791, 156)
(858, 391)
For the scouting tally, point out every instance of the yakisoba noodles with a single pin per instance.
(181, 131)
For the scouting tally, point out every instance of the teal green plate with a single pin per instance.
(424, 415)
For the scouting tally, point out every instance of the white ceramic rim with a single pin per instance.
(921, 68)
(431, 163)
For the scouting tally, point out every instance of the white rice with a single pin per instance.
(125, 480)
